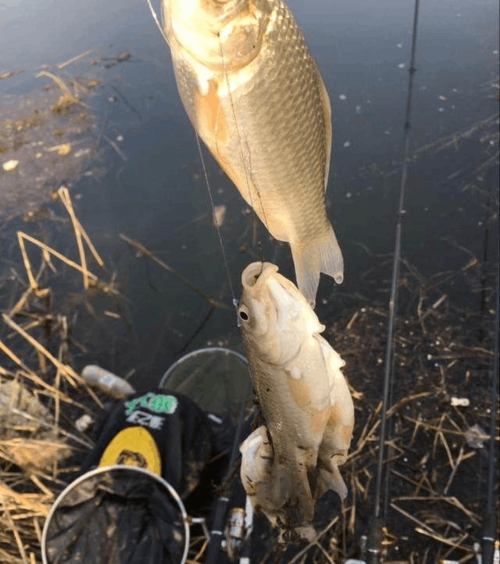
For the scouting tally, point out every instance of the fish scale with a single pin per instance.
(256, 98)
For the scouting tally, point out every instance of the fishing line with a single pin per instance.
(216, 223)
(207, 182)
(240, 145)
(160, 27)
(374, 546)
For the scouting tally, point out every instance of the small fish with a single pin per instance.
(255, 96)
(305, 401)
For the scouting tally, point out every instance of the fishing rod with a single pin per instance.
(221, 507)
(489, 546)
(374, 541)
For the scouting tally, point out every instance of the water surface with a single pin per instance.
(158, 195)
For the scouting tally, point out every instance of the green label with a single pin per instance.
(154, 402)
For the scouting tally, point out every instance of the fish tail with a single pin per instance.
(323, 254)
(329, 480)
(294, 495)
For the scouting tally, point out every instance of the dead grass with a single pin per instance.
(40, 401)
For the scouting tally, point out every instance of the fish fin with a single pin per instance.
(332, 454)
(329, 479)
(325, 100)
(256, 459)
(293, 502)
(298, 534)
(323, 254)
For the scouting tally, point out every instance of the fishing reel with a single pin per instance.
(237, 533)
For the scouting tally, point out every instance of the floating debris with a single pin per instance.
(459, 402)
(123, 57)
(84, 423)
(8, 74)
(342, 97)
(74, 59)
(219, 215)
(476, 436)
(38, 132)
(62, 150)
(82, 153)
(10, 166)
(106, 382)
(112, 61)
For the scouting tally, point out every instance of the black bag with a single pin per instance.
(134, 514)
(171, 422)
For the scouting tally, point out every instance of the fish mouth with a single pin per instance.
(256, 274)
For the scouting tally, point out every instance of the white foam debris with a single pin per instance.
(84, 422)
(459, 402)
(475, 436)
(219, 215)
(10, 166)
(82, 152)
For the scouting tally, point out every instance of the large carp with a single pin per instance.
(255, 96)
(305, 401)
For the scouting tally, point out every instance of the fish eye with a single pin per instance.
(243, 313)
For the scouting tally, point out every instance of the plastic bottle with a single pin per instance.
(107, 382)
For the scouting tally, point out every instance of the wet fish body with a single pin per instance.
(304, 398)
(255, 96)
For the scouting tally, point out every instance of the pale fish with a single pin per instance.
(255, 96)
(304, 399)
